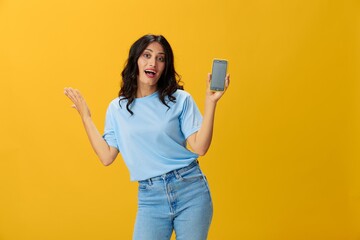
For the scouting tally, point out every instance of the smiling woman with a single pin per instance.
(151, 134)
(151, 53)
(151, 66)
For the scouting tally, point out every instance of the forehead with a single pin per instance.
(155, 47)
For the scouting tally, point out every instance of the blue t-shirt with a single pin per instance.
(152, 141)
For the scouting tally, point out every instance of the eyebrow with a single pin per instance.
(153, 51)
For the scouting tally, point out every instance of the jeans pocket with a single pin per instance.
(191, 175)
(144, 185)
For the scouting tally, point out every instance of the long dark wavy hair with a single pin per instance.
(168, 83)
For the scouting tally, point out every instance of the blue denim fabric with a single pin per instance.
(179, 200)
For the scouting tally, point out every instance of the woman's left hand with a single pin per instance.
(216, 95)
(200, 141)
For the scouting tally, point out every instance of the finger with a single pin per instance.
(72, 95)
(66, 90)
(227, 80)
(78, 95)
(208, 78)
(69, 92)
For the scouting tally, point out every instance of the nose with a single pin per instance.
(152, 62)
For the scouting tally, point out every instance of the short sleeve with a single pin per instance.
(109, 131)
(190, 118)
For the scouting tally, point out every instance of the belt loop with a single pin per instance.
(177, 175)
(150, 181)
(163, 176)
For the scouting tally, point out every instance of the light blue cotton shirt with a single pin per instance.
(152, 141)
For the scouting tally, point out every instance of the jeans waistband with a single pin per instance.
(175, 172)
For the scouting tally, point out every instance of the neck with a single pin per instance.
(143, 92)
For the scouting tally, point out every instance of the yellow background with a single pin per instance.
(284, 162)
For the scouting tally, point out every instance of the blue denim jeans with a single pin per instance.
(179, 200)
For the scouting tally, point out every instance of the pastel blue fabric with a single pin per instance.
(152, 141)
(178, 201)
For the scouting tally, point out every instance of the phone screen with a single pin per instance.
(218, 75)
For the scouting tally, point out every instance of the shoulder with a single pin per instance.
(183, 99)
(114, 104)
(181, 94)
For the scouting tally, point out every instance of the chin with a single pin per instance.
(150, 83)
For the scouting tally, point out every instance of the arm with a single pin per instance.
(106, 153)
(200, 141)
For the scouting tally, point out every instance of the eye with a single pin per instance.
(147, 55)
(161, 59)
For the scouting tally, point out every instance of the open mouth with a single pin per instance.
(150, 73)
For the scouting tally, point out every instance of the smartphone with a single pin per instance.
(219, 69)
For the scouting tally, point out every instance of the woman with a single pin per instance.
(150, 124)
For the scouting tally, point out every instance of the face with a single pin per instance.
(151, 64)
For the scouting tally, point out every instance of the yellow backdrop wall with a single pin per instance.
(284, 162)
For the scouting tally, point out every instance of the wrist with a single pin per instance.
(86, 118)
(210, 104)
(210, 100)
